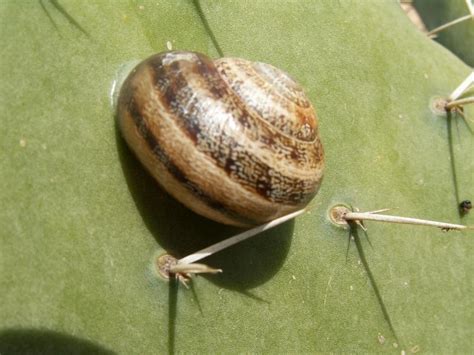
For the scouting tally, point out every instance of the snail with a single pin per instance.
(233, 140)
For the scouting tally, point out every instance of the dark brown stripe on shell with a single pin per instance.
(248, 170)
(175, 171)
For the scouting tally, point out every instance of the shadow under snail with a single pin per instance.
(233, 140)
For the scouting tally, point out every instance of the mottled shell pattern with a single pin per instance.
(235, 141)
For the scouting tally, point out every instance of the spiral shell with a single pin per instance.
(235, 141)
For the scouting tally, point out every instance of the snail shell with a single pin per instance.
(233, 140)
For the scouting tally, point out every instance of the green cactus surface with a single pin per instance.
(81, 220)
(460, 37)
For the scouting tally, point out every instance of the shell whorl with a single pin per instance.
(236, 141)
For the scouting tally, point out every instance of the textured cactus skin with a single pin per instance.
(81, 220)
